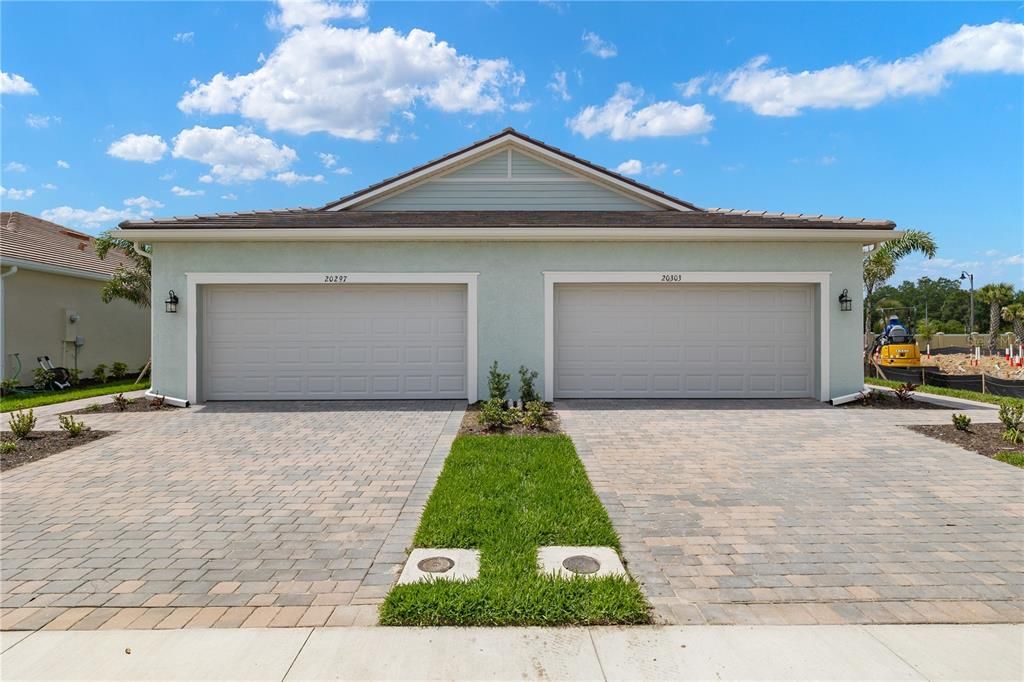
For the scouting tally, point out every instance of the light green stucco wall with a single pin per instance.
(511, 285)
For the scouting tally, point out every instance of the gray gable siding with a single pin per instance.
(485, 185)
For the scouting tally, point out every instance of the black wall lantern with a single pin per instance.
(845, 302)
(171, 304)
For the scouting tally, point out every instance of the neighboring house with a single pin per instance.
(508, 250)
(50, 296)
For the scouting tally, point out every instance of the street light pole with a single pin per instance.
(969, 276)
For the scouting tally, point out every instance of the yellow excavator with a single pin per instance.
(896, 345)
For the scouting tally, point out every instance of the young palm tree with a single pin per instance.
(129, 283)
(1015, 313)
(995, 295)
(880, 263)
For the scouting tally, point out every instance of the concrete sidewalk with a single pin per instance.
(848, 652)
(46, 415)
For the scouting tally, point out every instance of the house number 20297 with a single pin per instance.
(671, 278)
(335, 279)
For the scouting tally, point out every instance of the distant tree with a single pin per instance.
(130, 283)
(880, 263)
(1014, 314)
(996, 295)
(926, 329)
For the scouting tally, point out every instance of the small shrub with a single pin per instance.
(93, 407)
(1011, 415)
(73, 427)
(99, 373)
(1015, 436)
(157, 403)
(904, 392)
(75, 376)
(534, 415)
(118, 370)
(961, 422)
(8, 446)
(868, 397)
(497, 383)
(8, 386)
(121, 403)
(22, 423)
(42, 378)
(494, 414)
(527, 392)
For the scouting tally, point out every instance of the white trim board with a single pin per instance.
(822, 279)
(195, 279)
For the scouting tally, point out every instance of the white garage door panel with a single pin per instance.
(684, 341)
(280, 342)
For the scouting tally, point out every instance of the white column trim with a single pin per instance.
(670, 278)
(194, 279)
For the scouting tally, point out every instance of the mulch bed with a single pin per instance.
(985, 439)
(471, 425)
(41, 444)
(108, 406)
(887, 401)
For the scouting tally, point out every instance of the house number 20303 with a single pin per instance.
(335, 279)
(671, 277)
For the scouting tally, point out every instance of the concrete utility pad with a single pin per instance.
(427, 564)
(588, 562)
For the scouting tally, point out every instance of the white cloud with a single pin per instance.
(559, 85)
(185, 192)
(349, 81)
(16, 194)
(521, 106)
(145, 148)
(49, 185)
(90, 219)
(677, 171)
(292, 178)
(143, 203)
(300, 13)
(1012, 260)
(15, 167)
(233, 154)
(230, 196)
(621, 120)
(344, 170)
(328, 160)
(186, 37)
(631, 167)
(38, 121)
(997, 47)
(827, 160)
(61, 163)
(692, 87)
(13, 84)
(636, 167)
(598, 46)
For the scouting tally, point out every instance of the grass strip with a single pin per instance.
(507, 496)
(12, 403)
(1014, 458)
(950, 392)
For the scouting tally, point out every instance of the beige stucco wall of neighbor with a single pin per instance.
(511, 285)
(35, 305)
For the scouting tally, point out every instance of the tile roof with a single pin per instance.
(34, 240)
(318, 218)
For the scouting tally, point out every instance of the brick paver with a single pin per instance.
(797, 512)
(222, 515)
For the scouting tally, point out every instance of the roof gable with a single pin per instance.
(524, 160)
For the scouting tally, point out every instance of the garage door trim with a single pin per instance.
(676, 278)
(339, 278)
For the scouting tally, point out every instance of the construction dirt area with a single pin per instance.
(961, 363)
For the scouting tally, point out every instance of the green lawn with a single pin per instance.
(23, 402)
(506, 496)
(1014, 458)
(951, 392)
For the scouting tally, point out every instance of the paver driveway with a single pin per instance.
(223, 515)
(798, 512)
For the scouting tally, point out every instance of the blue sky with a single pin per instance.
(911, 112)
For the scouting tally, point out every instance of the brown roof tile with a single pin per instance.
(34, 240)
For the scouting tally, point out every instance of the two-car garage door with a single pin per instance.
(286, 342)
(684, 341)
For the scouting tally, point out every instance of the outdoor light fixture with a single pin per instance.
(171, 304)
(845, 302)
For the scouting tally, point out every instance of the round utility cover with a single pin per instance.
(435, 564)
(581, 564)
